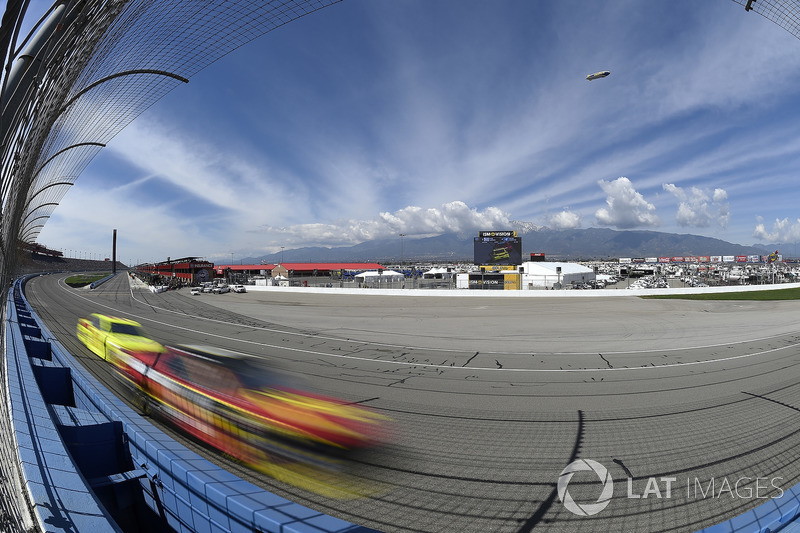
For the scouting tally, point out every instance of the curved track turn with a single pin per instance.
(494, 397)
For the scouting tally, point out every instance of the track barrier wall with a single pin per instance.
(91, 463)
(101, 281)
(55, 492)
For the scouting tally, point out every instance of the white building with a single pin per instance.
(438, 273)
(548, 275)
(382, 276)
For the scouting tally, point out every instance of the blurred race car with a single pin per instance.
(241, 406)
(110, 337)
(237, 404)
(501, 252)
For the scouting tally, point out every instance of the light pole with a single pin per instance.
(402, 250)
(282, 254)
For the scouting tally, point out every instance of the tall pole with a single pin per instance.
(114, 254)
(402, 247)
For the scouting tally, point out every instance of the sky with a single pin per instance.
(372, 118)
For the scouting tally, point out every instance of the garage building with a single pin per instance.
(547, 275)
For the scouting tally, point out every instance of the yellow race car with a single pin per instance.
(112, 336)
(500, 253)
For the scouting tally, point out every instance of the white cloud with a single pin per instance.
(700, 208)
(146, 233)
(452, 217)
(213, 173)
(716, 64)
(783, 230)
(564, 220)
(626, 208)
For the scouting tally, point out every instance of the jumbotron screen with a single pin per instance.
(498, 248)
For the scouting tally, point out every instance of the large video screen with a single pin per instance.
(498, 248)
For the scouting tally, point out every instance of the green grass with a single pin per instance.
(81, 280)
(765, 295)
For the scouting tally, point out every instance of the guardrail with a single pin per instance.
(101, 281)
(773, 516)
(53, 491)
(91, 463)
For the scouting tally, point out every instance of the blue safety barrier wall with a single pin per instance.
(101, 281)
(80, 431)
(772, 516)
(57, 493)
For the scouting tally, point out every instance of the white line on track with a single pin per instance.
(403, 363)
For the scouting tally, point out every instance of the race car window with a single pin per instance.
(174, 365)
(254, 375)
(125, 329)
(212, 376)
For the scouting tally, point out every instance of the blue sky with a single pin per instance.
(372, 118)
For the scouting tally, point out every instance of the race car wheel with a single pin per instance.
(145, 405)
(141, 402)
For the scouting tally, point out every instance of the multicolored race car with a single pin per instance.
(236, 403)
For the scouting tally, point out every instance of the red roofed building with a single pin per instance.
(262, 270)
(296, 270)
(322, 269)
(190, 270)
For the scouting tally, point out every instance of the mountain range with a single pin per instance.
(556, 244)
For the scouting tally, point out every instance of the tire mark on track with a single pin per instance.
(469, 360)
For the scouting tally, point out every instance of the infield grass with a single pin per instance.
(765, 295)
(81, 280)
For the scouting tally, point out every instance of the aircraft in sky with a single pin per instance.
(598, 75)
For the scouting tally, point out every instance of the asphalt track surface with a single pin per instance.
(492, 398)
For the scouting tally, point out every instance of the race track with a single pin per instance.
(688, 404)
